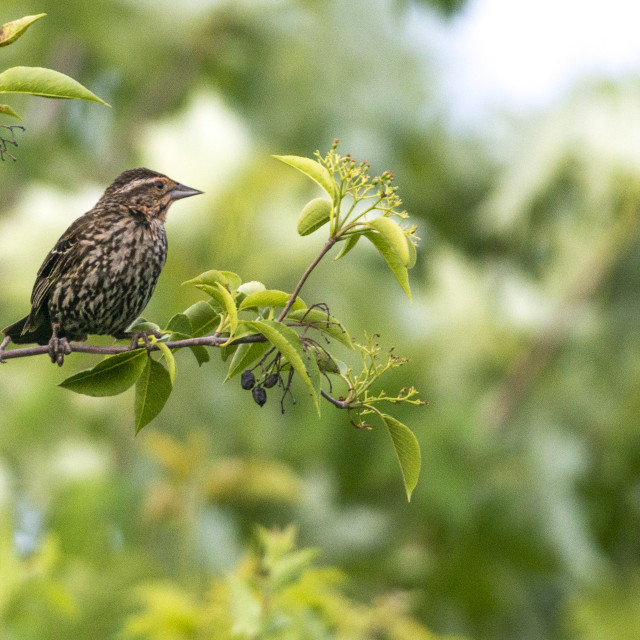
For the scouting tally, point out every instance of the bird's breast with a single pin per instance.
(110, 283)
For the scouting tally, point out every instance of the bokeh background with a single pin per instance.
(512, 129)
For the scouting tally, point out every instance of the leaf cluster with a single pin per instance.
(360, 206)
(241, 318)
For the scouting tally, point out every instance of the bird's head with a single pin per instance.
(146, 193)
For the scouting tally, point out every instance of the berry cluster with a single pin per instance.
(258, 391)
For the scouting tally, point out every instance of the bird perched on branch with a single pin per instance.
(102, 271)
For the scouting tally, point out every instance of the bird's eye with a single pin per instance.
(158, 184)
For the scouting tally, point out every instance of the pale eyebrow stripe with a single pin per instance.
(133, 185)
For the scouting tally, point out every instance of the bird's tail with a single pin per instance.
(16, 331)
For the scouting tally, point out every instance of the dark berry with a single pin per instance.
(247, 379)
(259, 395)
(271, 380)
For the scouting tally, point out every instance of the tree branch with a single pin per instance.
(207, 341)
(330, 242)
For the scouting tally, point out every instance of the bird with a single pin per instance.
(101, 273)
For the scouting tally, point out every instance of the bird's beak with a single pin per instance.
(182, 191)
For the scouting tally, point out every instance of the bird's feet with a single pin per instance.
(58, 349)
(136, 336)
(4, 343)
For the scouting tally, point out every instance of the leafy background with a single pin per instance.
(521, 334)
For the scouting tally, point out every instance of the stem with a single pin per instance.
(341, 404)
(330, 242)
(208, 341)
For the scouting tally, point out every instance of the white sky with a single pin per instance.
(521, 54)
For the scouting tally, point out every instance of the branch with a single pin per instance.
(330, 242)
(208, 341)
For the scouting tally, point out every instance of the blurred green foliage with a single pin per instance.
(522, 333)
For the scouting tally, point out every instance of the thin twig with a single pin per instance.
(330, 242)
(5, 141)
(341, 404)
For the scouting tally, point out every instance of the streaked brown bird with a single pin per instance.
(102, 271)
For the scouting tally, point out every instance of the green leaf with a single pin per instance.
(47, 83)
(245, 354)
(392, 259)
(313, 170)
(174, 336)
(394, 235)
(349, 243)
(180, 323)
(198, 350)
(323, 322)
(110, 377)
(228, 304)
(171, 361)
(315, 214)
(413, 254)
(407, 450)
(7, 110)
(11, 31)
(203, 318)
(270, 298)
(201, 353)
(153, 389)
(288, 343)
(211, 278)
(233, 279)
(227, 350)
(140, 324)
(181, 329)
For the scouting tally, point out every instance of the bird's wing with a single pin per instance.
(54, 264)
